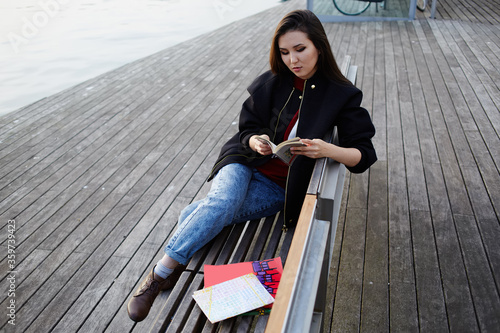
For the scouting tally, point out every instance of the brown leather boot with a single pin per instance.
(142, 301)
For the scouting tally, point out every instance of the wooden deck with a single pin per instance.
(95, 176)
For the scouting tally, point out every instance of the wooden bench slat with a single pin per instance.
(245, 241)
(209, 327)
(261, 240)
(274, 239)
(195, 321)
(277, 316)
(183, 310)
(229, 245)
(172, 304)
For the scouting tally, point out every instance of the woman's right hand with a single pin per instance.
(259, 146)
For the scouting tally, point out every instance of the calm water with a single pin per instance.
(50, 45)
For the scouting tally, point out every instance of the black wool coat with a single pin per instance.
(323, 104)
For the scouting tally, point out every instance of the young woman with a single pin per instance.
(303, 95)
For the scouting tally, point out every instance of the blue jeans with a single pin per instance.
(238, 194)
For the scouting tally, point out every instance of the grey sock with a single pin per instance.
(162, 271)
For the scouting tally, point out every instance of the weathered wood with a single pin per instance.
(349, 290)
(432, 315)
(375, 310)
(463, 205)
(404, 316)
(263, 240)
(278, 314)
(485, 11)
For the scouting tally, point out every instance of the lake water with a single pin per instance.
(50, 45)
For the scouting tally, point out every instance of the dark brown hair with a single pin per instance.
(308, 23)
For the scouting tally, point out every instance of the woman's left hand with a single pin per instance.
(315, 148)
(318, 148)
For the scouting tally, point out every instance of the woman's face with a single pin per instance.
(298, 53)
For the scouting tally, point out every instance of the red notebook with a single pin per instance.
(267, 271)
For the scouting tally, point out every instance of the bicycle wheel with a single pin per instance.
(421, 4)
(351, 7)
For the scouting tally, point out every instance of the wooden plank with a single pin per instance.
(459, 306)
(489, 35)
(335, 260)
(473, 110)
(456, 290)
(195, 321)
(483, 46)
(41, 125)
(274, 240)
(349, 289)
(484, 207)
(404, 316)
(432, 314)
(245, 242)
(480, 258)
(263, 240)
(92, 294)
(88, 270)
(364, 57)
(481, 281)
(376, 98)
(29, 309)
(185, 307)
(374, 309)
(277, 316)
(485, 90)
(480, 58)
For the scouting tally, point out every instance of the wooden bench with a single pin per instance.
(305, 251)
